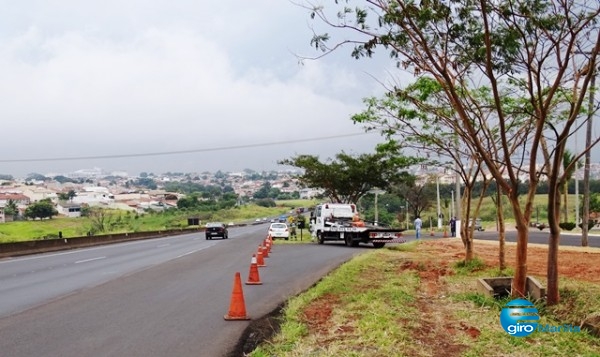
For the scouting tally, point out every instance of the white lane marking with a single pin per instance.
(188, 253)
(194, 251)
(89, 260)
(163, 245)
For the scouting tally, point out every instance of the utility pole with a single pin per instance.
(458, 211)
(452, 214)
(586, 169)
(576, 184)
(377, 192)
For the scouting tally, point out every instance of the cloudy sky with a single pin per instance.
(216, 81)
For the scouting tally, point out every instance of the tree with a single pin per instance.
(188, 202)
(531, 58)
(263, 191)
(11, 208)
(418, 197)
(595, 202)
(347, 178)
(100, 220)
(146, 182)
(41, 209)
(71, 194)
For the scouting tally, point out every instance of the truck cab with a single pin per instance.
(331, 213)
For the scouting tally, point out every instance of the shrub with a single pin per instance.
(265, 202)
(567, 226)
(541, 226)
(591, 224)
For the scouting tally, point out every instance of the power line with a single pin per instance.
(163, 153)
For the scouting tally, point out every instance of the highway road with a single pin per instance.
(541, 237)
(159, 297)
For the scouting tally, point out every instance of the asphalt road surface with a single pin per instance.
(541, 237)
(160, 297)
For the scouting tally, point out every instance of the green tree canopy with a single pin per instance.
(41, 209)
(11, 208)
(347, 178)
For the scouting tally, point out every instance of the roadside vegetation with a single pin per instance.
(406, 301)
(118, 221)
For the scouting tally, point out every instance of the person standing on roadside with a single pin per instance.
(418, 226)
(453, 227)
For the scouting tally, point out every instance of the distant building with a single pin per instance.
(19, 199)
(309, 193)
(69, 209)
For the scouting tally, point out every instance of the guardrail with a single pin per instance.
(56, 244)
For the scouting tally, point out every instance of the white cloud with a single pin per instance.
(123, 78)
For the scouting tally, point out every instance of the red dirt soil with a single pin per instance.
(575, 262)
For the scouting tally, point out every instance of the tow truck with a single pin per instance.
(340, 222)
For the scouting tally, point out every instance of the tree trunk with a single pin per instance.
(552, 294)
(501, 231)
(469, 251)
(520, 276)
(465, 232)
(522, 221)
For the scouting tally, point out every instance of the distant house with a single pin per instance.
(19, 199)
(38, 193)
(69, 209)
(309, 193)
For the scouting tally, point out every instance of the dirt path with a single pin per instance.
(575, 262)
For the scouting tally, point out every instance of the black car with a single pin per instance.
(216, 229)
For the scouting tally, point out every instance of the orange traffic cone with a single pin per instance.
(269, 240)
(265, 251)
(269, 244)
(445, 232)
(253, 277)
(260, 261)
(237, 307)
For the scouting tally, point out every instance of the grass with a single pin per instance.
(403, 301)
(122, 221)
(366, 308)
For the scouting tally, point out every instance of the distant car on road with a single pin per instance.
(216, 229)
(279, 230)
(477, 222)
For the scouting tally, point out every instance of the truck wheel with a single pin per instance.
(349, 242)
(320, 238)
(378, 245)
